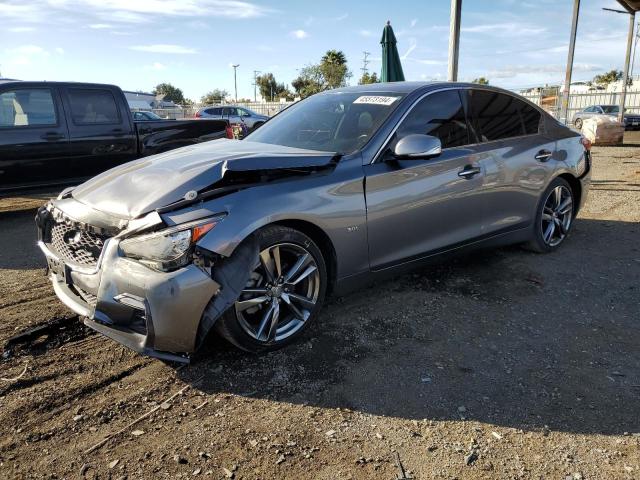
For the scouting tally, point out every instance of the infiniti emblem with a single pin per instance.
(72, 237)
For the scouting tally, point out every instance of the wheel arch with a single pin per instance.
(576, 188)
(321, 239)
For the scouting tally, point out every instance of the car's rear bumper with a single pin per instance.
(151, 312)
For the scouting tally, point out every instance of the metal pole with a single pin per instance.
(255, 82)
(633, 55)
(454, 39)
(625, 75)
(235, 81)
(564, 107)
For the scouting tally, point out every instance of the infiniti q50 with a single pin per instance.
(248, 237)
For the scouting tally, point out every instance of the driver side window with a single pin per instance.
(440, 115)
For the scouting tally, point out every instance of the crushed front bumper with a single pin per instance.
(154, 313)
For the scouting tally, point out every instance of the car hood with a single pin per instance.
(138, 187)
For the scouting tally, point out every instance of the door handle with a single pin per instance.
(543, 155)
(468, 171)
(52, 136)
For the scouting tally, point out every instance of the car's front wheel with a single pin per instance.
(284, 293)
(578, 123)
(554, 217)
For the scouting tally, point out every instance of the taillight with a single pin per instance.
(197, 115)
(586, 143)
(229, 132)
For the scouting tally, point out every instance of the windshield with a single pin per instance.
(331, 122)
(610, 108)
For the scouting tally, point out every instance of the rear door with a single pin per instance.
(34, 141)
(519, 162)
(419, 207)
(101, 133)
(232, 114)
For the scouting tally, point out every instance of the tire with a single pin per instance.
(292, 292)
(578, 123)
(553, 220)
(256, 126)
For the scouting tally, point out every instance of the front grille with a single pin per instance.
(77, 245)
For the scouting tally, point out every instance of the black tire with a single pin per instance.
(578, 123)
(256, 126)
(237, 327)
(540, 241)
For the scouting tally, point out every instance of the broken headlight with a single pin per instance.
(167, 249)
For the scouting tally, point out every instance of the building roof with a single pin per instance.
(630, 6)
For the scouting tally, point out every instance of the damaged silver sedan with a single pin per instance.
(248, 237)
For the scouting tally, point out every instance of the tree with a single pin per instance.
(333, 67)
(609, 77)
(368, 78)
(169, 93)
(214, 96)
(481, 81)
(309, 82)
(331, 72)
(269, 88)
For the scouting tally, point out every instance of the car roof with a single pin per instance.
(410, 87)
(40, 83)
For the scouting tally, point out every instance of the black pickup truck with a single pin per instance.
(54, 133)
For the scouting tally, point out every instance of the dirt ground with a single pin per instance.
(502, 364)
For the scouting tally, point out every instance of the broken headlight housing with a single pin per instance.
(167, 249)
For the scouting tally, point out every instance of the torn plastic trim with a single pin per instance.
(232, 274)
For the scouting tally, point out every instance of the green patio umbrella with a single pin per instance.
(391, 66)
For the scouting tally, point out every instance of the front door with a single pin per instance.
(33, 138)
(419, 207)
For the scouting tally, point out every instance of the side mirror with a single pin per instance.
(417, 146)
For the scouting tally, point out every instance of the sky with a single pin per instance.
(137, 44)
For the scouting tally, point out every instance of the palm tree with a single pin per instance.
(335, 57)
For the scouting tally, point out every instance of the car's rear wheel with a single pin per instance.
(284, 293)
(257, 125)
(578, 123)
(554, 217)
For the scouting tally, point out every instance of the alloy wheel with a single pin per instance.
(281, 293)
(557, 215)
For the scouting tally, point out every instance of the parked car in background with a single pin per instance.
(248, 237)
(631, 120)
(233, 114)
(54, 133)
(144, 116)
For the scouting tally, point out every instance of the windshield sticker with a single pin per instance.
(376, 100)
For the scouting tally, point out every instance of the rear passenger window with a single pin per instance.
(531, 118)
(27, 107)
(494, 116)
(440, 115)
(93, 106)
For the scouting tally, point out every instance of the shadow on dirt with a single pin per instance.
(503, 336)
(18, 244)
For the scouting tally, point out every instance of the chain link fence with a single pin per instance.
(551, 101)
(181, 112)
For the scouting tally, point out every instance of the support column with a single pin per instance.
(625, 74)
(564, 106)
(454, 39)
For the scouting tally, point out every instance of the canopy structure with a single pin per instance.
(391, 66)
(630, 7)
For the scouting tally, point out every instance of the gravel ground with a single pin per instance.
(502, 364)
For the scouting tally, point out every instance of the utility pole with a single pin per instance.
(365, 62)
(235, 81)
(255, 82)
